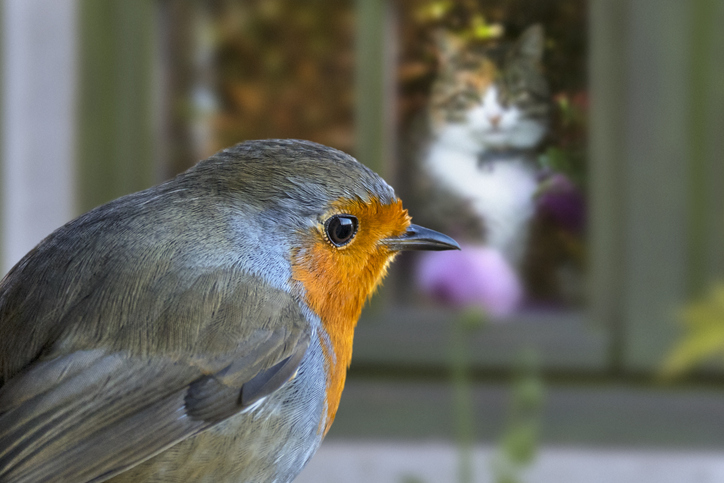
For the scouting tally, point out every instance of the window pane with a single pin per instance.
(492, 142)
(260, 69)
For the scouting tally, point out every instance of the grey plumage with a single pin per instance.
(169, 313)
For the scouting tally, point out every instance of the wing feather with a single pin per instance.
(81, 414)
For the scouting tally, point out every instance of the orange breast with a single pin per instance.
(336, 282)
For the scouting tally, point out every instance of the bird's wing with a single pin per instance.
(89, 414)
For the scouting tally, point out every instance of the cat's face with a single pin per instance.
(479, 105)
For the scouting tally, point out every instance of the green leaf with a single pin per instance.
(703, 337)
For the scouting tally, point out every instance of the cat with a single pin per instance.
(488, 112)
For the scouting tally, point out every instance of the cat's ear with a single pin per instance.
(531, 43)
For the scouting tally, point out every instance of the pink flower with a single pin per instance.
(474, 276)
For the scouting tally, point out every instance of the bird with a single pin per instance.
(199, 330)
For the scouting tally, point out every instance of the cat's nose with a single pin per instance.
(494, 120)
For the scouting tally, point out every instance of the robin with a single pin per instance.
(199, 330)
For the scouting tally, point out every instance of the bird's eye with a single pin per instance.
(341, 229)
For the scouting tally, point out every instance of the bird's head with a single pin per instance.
(339, 223)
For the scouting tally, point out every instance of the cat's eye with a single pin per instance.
(341, 229)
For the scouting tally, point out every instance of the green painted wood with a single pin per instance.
(115, 144)
(177, 46)
(421, 339)
(607, 88)
(671, 170)
(655, 171)
(370, 130)
(657, 177)
(2, 133)
(374, 106)
(602, 415)
(706, 146)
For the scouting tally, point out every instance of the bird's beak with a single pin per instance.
(419, 238)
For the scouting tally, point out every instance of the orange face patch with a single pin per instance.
(338, 280)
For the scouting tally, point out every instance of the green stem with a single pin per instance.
(461, 362)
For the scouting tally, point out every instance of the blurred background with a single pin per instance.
(596, 358)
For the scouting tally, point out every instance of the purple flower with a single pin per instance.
(563, 202)
(474, 276)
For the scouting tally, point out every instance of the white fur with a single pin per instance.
(500, 192)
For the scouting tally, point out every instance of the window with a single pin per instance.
(197, 76)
